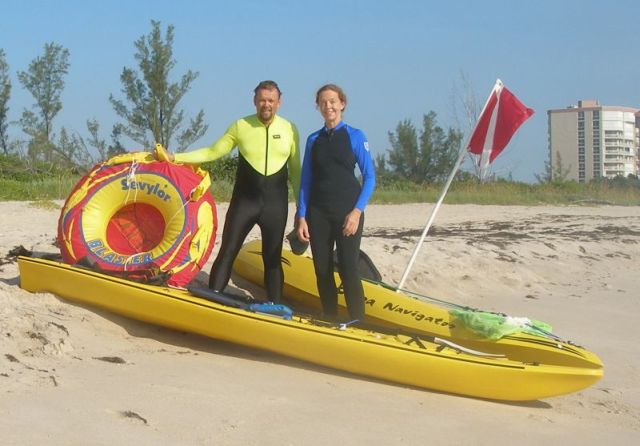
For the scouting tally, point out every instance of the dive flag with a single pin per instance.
(502, 115)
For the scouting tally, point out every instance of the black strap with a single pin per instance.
(150, 276)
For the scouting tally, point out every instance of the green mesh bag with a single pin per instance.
(495, 326)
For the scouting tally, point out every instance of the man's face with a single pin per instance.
(267, 103)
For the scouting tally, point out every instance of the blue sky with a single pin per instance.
(396, 59)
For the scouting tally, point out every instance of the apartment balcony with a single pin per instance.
(618, 151)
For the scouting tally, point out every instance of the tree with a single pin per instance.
(153, 115)
(72, 151)
(404, 157)
(5, 93)
(427, 157)
(554, 172)
(466, 99)
(44, 79)
(104, 151)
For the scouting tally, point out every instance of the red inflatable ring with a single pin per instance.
(133, 213)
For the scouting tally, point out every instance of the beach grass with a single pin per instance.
(49, 188)
(510, 193)
(464, 192)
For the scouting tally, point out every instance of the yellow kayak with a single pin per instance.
(409, 359)
(385, 306)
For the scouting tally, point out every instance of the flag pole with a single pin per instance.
(431, 218)
(435, 209)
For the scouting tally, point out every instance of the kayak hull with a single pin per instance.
(401, 358)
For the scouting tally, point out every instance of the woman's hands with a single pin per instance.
(349, 227)
(351, 222)
(303, 229)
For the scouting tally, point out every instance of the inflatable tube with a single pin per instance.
(133, 213)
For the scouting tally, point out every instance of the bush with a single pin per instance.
(223, 169)
(22, 180)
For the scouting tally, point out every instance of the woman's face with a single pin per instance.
(330, 106)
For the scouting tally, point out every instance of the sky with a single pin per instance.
(396, 60)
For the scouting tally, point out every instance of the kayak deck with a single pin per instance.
(384, 306)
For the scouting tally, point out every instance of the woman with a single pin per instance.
(332, 201)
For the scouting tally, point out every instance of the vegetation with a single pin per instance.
(419, 158)
(45, 184)
(150, 112)
(153, 115)
(625, 192)
(557, 173)
(44, 79)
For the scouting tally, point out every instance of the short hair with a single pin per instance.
(267, 85)
(332, 87)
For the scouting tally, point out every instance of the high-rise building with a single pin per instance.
(638, 139)
(590, 141)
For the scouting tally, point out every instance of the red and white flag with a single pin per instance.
(502, 115)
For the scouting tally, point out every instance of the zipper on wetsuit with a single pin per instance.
(266, 154)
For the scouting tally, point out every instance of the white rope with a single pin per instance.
(184, 205)
(127, 260)
(131, 179)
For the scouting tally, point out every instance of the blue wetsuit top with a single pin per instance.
(328, 181)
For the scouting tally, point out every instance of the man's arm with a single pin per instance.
(213, 152)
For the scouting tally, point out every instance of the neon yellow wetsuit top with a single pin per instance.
(269, 156)
(265, 148)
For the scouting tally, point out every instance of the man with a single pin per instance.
(268, 156)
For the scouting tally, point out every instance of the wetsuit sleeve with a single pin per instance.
(294, 163)
(360, 148)
(305, 177)
(215, 151)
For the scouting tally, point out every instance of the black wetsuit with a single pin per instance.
(257, 200)
(329, 190)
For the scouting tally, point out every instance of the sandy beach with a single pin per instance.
(74, 375)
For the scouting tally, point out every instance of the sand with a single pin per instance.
(74, 375)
